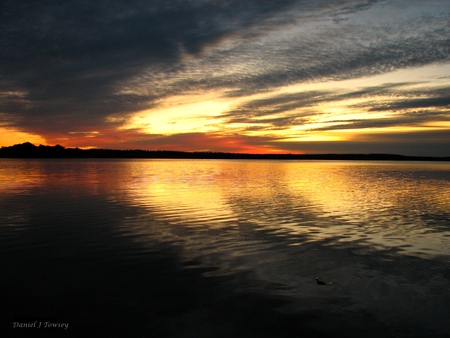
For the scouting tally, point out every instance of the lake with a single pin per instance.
(224, 248)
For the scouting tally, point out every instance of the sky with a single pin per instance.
(246, 76)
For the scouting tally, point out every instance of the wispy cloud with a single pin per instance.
(303, 108)
(416, 103)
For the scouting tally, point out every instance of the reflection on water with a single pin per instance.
(379, 230)
(389, 204)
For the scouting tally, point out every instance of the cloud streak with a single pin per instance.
(299, 109)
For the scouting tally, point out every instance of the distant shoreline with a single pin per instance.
(28, 150)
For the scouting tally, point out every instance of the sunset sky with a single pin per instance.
(254, 76)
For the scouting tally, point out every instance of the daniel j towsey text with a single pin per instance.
(40, 325)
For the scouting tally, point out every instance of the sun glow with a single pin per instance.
(312, 137)
(9, 137)
(437, 125)
(180, 115)
(336, 111)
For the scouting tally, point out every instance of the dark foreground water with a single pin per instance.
(216, 248)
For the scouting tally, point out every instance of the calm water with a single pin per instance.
(222, 248)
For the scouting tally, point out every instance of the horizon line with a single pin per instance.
(30, 150)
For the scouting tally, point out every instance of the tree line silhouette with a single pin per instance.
(29, 150)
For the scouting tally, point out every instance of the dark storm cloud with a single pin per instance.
(71, 57)
(69, 64)
(332, 54)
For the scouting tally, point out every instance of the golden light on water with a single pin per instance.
(304, 198)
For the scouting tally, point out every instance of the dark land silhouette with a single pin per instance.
(29, 150)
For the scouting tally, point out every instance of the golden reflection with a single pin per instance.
(23, 175)
(15, 177)
(372, 203)
(184, 192)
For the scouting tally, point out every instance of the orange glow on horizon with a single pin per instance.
(10, 137)
(189, 142)
(273, 122)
